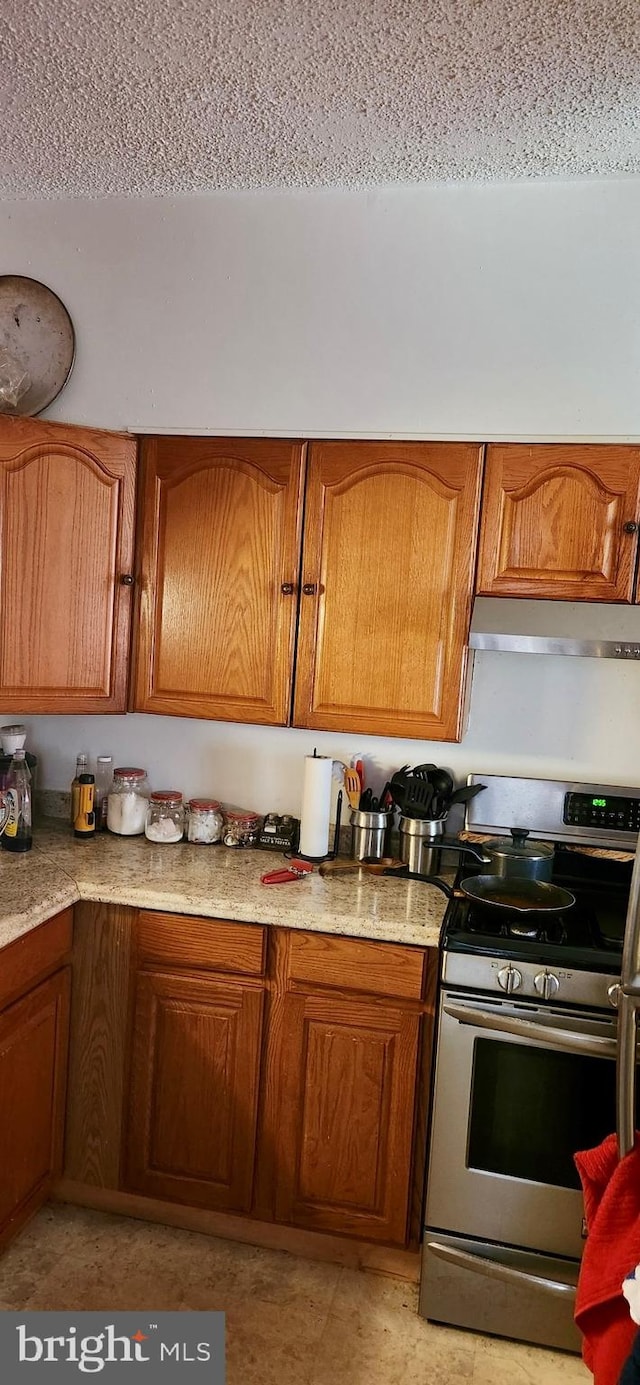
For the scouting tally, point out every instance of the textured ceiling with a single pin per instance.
(133, 97)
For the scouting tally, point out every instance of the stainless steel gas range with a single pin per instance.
(525, 1067)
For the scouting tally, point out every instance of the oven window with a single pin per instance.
(533, 1108)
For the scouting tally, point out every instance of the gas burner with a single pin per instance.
(520, 928)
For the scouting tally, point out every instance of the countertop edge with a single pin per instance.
(60, 888)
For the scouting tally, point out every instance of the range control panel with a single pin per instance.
(607, 812)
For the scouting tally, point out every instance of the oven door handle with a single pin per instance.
(494, 1270)
(565, 1039)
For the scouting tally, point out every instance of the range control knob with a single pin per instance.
(546, 984)
(510, 979)
(613, 993)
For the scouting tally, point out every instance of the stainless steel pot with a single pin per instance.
(518, 858)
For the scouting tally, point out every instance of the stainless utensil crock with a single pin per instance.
(370, 833)
(419, 839)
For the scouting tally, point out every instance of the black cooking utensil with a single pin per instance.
(465, 794)
(418, 795)
(523, 896)
(442, 782)
(496, 892)
(423, 771)
(399, 786)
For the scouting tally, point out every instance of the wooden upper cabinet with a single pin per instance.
(67, 527)
(554, 521)
(387, 573)
(220, 539)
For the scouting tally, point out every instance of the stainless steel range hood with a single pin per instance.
(595, 630)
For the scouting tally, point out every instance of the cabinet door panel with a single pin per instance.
(33, 1053)
(553, 521)
(346, 1116)
(192, 1117)
(220, 537)
(67, 497)
(389, 551)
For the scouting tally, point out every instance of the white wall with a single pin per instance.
(536, 715)
(453, 310)
(449, 311)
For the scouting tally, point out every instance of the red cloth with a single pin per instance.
(612, 1208)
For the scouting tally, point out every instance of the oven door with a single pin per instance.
(518, 1090)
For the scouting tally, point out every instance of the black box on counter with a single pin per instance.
(279, 833)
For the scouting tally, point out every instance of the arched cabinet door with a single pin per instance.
(560, 521)
(220, 539)
(387, 580)
(66, 556)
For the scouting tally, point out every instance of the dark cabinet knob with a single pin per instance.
(287, 589)
(631, 526)
(310, 588)
(126, 579)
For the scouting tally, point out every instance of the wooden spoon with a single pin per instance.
(353, 787)
(344, 867)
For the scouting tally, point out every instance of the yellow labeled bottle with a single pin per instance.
(85, 821)
(81, 766)
(17, 835)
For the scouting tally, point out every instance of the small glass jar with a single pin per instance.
(165, 817)
(205, 821)
(241, 829)
(128, 801)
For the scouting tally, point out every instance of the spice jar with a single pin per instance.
(165, 817)
(241, 829)
(205, 821)
(128, 802)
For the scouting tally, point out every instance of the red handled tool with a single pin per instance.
(296, 870)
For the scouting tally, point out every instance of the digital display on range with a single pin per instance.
(604, 812)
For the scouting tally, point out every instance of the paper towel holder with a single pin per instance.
(329, 855)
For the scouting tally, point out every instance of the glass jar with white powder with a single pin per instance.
(205, 821)
(128, 802)
(165, 817)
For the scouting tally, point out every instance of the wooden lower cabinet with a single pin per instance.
(346, 1046)
(269, 1073)
(33, 1067)
(194, 1090)
(346, 1116)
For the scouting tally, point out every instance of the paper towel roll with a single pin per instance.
(316, 805)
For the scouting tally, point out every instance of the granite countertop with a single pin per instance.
(213, 882)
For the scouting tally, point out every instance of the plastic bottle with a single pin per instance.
(81, 766)
(104, 780)
(85, 823)
(17, 835)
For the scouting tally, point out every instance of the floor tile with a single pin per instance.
(375, 1337)
(500, 1362)
(289, 1321)
(55, 1232)
(269, 1344)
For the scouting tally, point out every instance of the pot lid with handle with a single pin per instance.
(519, 847)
